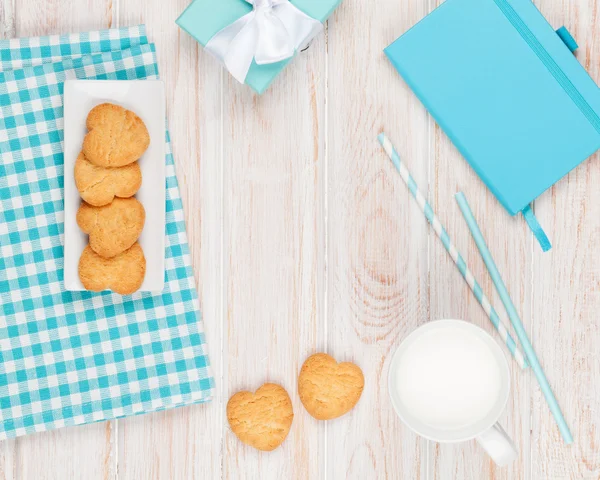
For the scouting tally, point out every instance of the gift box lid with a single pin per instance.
(202, 19)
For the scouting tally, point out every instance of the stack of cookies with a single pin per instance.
(108, 176)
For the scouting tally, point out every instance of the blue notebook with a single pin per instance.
(507, 90)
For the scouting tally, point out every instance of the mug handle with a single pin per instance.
(498, 445)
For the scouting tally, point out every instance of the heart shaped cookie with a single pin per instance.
(116, 136)
(112, 228)
(98, 186)
(122, 274)
(262, 419)
(328, 389)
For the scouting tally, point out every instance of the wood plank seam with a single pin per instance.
(220, 389)
(326, 229)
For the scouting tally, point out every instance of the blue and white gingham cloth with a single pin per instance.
(71, 358)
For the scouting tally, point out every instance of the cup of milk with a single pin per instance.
(449, 382)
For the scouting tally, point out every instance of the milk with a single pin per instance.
(448, 378)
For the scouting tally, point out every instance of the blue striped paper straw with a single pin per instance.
(514, 317)
(452, 251)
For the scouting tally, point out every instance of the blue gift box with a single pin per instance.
(204, 18)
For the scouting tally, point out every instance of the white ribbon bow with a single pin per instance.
(270, 33)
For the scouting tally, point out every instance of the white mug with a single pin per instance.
(449, 382)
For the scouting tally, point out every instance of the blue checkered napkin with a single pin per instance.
(19, 53)
(70, 358)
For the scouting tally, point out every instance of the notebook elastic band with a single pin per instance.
(536, 229)
(549, 62)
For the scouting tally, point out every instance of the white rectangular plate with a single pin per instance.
(146, 98)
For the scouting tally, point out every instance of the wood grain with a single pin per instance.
(377, 238)
(7, 19)
(566, 291)
(274, 253)
(510, 244)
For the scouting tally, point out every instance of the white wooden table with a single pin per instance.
(304, 239)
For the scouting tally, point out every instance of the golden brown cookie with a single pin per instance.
(328, 389)
(116, 136)
(262, 419)
(112, 228)
(98, 186)
(122, 274)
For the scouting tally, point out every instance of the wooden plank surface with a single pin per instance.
(304, 239)
(273, 160)
(566, 291)
(377, 239)
(510, 243)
